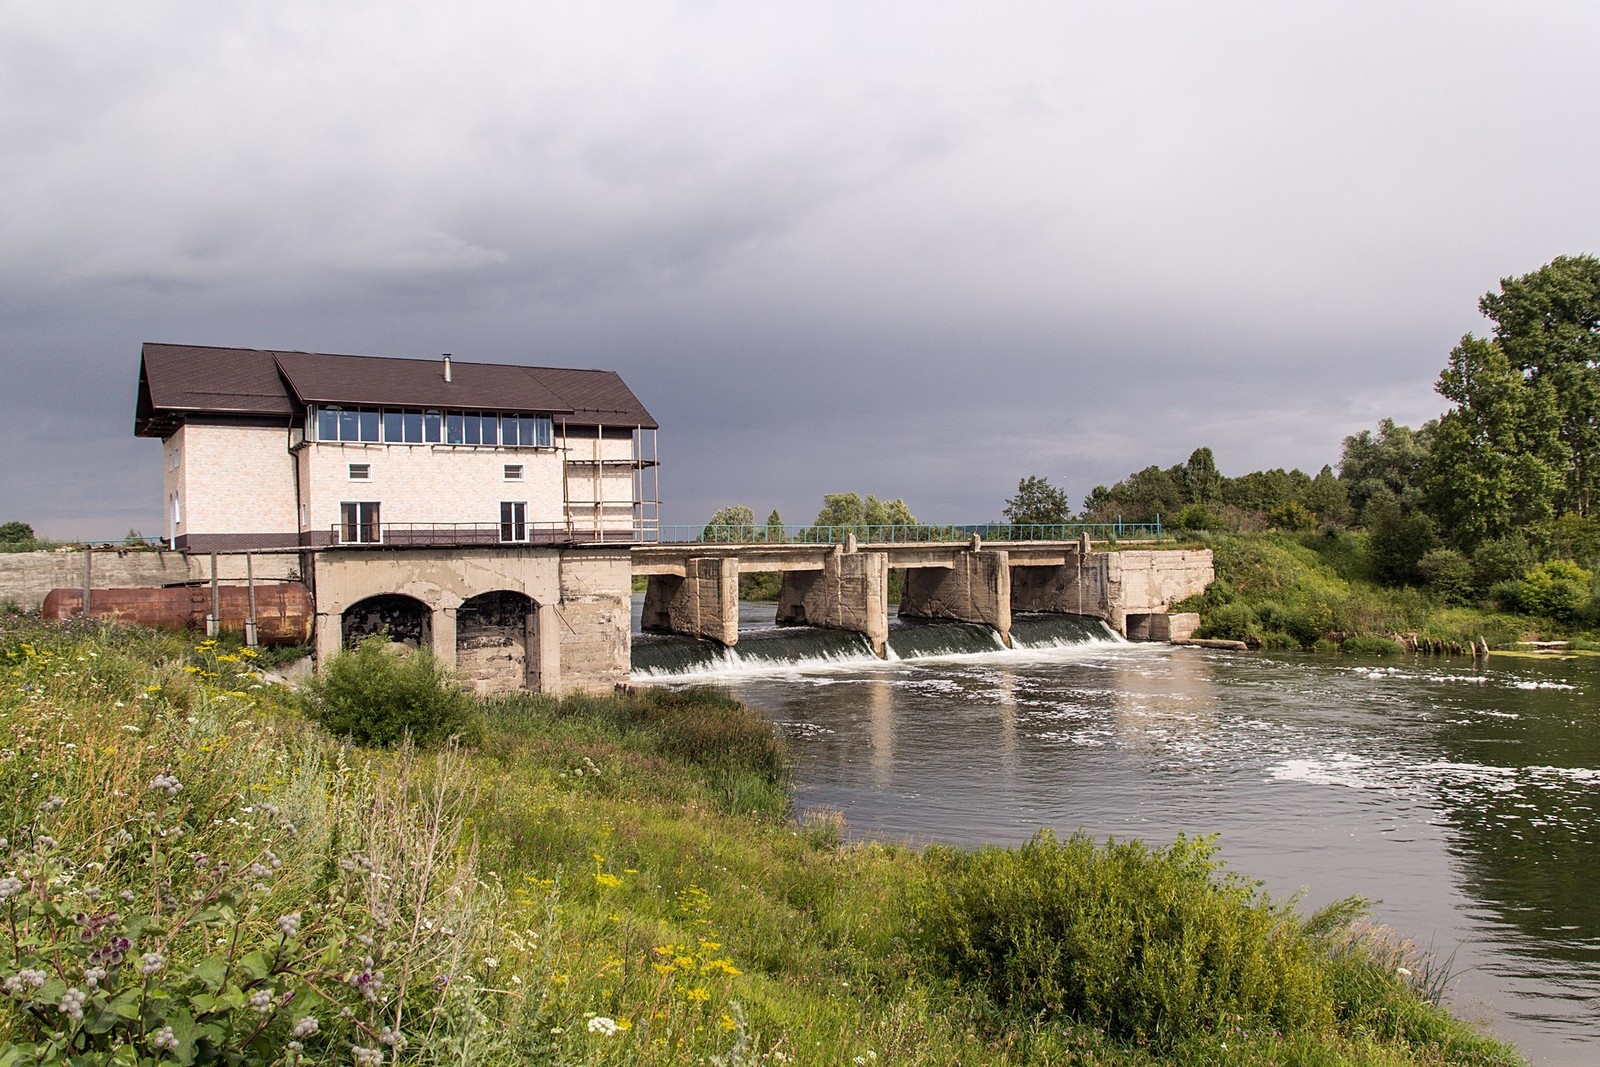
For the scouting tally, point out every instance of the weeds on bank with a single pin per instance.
(194, 873)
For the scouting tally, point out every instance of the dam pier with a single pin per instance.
(693, 589)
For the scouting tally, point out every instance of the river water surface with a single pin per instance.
(1464, 798)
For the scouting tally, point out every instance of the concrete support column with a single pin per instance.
(1079, 587)
(977, 589)
(442, 625)
(851, 592)
(546, 648)
(328, 637)
(704, 602)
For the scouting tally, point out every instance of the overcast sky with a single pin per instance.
(915, 249)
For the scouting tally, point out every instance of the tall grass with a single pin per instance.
(595, 881)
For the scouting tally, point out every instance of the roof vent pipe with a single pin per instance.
(447, 366)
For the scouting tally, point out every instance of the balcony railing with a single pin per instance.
(459, 534)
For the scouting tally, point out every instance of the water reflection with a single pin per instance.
(1463, 798)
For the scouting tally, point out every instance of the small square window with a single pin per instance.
(513, 472)
(360, 472)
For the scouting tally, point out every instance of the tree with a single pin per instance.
(775, 526)
(1399, 541)
(1139, 497)
(1037, 503)
(732, 523)
(848, 509)
(1201, 480)
(15, 533)
(1327, 497)
(1548, 325)
(1497, 460)
(1394, 460)
(1266, 491)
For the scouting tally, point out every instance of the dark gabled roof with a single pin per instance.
(177, 380)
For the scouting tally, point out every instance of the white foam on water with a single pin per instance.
(1343, 769)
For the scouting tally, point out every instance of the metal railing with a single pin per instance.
(914, 533)
(461, 534)
(458, 534)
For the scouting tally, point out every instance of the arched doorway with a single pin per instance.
(405, 619)
(497, 647)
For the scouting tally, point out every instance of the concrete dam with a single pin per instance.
(557, 618)
(694, 589)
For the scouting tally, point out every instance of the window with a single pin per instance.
(477, 428)
(526, 431)
(358, 523)
(349, 424)
(513, 472)
(513, 520)
(360, 472)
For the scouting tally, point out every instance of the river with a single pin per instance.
(1463, 797)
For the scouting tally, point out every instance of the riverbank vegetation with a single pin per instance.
(195, 871)
(1479, 525)
(1316, 590)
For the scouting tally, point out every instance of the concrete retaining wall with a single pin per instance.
(26, 577)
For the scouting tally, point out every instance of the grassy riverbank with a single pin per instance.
(1314, 591)
(594, 881)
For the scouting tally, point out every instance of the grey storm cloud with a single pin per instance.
(914, 249)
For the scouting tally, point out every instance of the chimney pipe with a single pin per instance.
(447, 366)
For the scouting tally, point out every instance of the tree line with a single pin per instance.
(1495, 499)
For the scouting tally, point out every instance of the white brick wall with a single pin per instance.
(431, 484)
(231, 479)
(243, 480)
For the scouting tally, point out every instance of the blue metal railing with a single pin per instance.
(547, 533)
(913, 533)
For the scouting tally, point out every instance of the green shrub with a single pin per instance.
(1145, 945)
(1195, 517)
(1231, 622)
(1558, 589)
(1279, 641)
(1447, 574)
(1370, 646)
(1397, 544)
(1507, 595)
(377, 696)
(1502, 559)
(1292, 515)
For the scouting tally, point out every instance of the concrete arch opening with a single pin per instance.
(497, 642)
(406, 620)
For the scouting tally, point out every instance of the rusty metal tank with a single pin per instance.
(284, 610)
